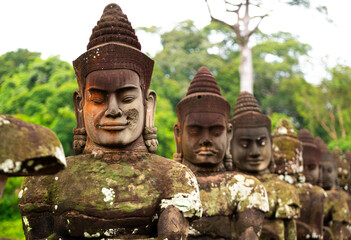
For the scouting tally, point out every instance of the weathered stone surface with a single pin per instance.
(28, 149)
(224, 197)
(107, 197)
(337, 215)
(312, 202)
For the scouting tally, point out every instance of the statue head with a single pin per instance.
(251, 142)
(28, 149)
(327, 165)
(114, 105)
(203, 133)
(287, 149)
(310, 155)
(342, 167)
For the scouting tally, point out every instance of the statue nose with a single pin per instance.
(255, 152)
(113, 109)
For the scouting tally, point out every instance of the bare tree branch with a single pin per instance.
(341, 121)
(255, 29)
(234, 5)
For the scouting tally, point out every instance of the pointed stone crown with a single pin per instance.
(203, 82)
(113, 45)
(248, 114)
(284, 128)
(321, 145)
(309, 146)
(203, 96)
(306, 137)
(113, 26)
(286, 148)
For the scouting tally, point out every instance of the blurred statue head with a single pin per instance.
(114, 105)
(342, 168)
(251, 142)
(287, 149)
(327, 165)
(202, 133)
(310, 155)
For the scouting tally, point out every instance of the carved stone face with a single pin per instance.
(328, 172)
(113, 107)
(204, 138)
(251, 149)
(310, 167)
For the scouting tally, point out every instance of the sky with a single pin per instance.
(63, 27)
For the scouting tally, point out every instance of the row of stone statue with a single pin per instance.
(230, 179)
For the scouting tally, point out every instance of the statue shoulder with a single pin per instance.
(283, 197)
(182, 190)
(247, 191)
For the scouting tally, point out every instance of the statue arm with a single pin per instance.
(290, 229)
(172, 224)
(249, 223)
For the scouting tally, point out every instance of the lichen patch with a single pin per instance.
(188, 204)
(109, 195)
(10, 166)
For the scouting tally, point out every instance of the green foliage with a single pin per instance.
(10, 218)
(40, 93)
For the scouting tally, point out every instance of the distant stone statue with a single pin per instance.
(252, 154)
(337, 215)
(234, 204)
(115, 188)
(27, 149)
(343, 168)
(287, 155)
(348, 159)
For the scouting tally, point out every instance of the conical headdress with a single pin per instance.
(248, 114)
(326, 155)
(308, 143)
(113, 45)
(287, 149)
(203, 96)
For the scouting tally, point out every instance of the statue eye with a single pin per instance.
(194, 130)
(244, 144)
(217, 131)
(128, 99)
(96, 97)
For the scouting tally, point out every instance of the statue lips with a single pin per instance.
(206, 151)
(255, 161)
(113, 126)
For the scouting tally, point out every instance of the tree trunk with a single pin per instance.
(246, 69)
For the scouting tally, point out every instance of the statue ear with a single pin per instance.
(178, 155)
(150, 130)
(228, 161)
(80, 135)
(231, 150)
(78, 108)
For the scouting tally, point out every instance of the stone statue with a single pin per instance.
(115, 187)
(337, 214)
(311, 155)
(252, 154)
(287, 156)
(233, 203)
(348, 159)
(27, 149)
(343, 168)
